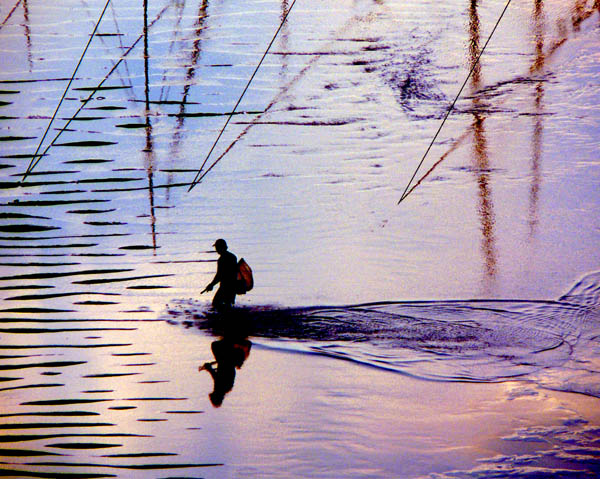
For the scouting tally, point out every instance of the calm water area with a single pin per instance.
(455, 334)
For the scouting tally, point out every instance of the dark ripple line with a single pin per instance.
(53, 246)
(142, 188)
(62, 275)
(116, 280)
(63, 346)
(83, 445)
(51, 475)
(27, 297)
(53, 414)
(35, 437)
(36, 310)
(58, 425)
(31, 386)
(25, 286)
(37, 238)
(20, 203)
(107, 180)
(125, 466)
(26, 228)
(25, 453)
(59, 330)
(48, 320)
(22, 215)
(91, 212)
(141, 454)
(50, 364)
(155, 399)
(13, 185)
(63, 402)
(86, 143)
(131, 354)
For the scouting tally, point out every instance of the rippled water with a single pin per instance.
(102, 246)
(478, 341)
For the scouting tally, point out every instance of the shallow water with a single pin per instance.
(102, 247)
(467, 341)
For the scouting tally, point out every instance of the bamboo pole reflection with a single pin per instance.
(538, 126)
(125, 79)
(27, 27)
(191, 71)
(480, 154)
(578, 15)
(176, 33)
(149, 147)
(179, 130)
(284, 40)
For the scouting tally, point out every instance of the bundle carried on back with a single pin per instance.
(245, 281)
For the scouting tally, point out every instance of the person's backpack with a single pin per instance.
(245, 281)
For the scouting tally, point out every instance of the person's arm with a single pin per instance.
(215, 280)
(209, 367)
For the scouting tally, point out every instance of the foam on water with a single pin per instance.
(550, 342)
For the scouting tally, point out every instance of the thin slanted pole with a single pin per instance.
(95, 90)
(10, 13)
(36, 158)
(406, 190)
(197, 178)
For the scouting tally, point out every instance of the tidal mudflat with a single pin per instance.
(455, 334)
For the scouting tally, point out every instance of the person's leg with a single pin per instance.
(218, 300)
(224, 299)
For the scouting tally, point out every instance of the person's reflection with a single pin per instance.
(230, 354)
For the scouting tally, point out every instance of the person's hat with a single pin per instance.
(220, 243)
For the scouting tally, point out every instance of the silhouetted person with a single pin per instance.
(227, 271)
(230, 355)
